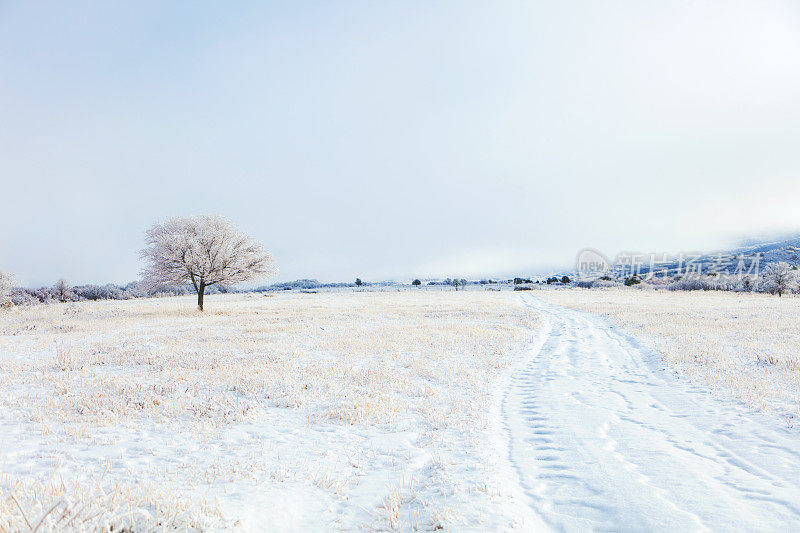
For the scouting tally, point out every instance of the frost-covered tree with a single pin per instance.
(456, 282)
(6, 283)
(62, 291)
(202, 251)
(780, 278)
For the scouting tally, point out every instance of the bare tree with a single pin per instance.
(780, 278)
(6, 283)
(62, 290)
(204, 251)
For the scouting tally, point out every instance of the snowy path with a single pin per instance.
(603, 438)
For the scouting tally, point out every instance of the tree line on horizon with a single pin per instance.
(208, 254)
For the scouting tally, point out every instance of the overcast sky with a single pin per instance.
(395, 139)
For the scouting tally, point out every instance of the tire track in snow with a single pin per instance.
(602, 439)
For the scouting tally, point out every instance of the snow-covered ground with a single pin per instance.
(307, 412)
(744, 346)
(412, 410)
(606, 437)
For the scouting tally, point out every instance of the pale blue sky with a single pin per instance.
(395, 139)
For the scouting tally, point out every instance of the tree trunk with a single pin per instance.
(201, 289)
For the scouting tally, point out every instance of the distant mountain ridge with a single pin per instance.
(749, 256)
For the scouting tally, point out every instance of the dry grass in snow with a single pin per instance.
(294, 411)
(743, 344)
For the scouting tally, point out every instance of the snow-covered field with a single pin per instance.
(410, 410)
(745, 346)
(605, 436)
(278, 412)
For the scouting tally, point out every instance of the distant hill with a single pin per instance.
(750, 259)
(748, 256)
